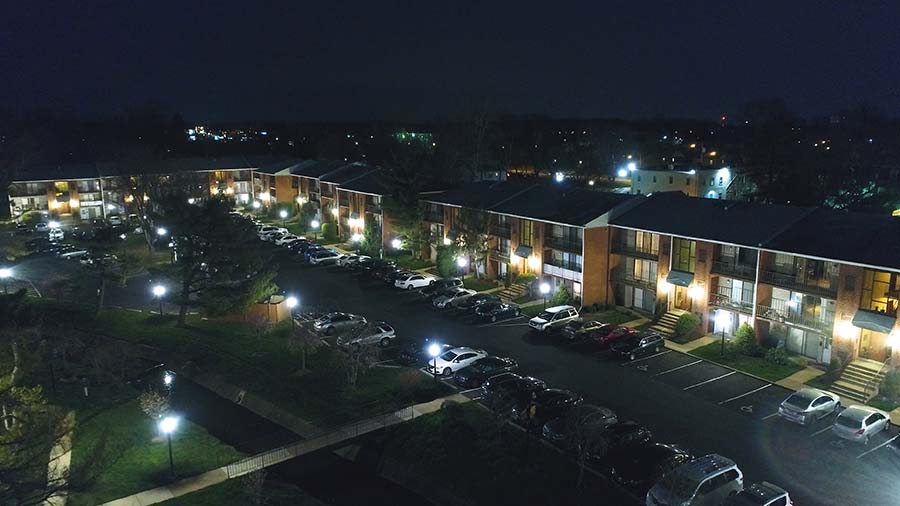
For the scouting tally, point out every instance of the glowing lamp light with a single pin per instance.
(53, 224)
(559, 176)
(434, 350)
(356, 237)
(335, 211)
(591, 182)
(192, 200)
(291, 302)
(396, 243)
(5, 273)
(695, 292)
(462, 261)
(663, 285)
(283, 214)
(110, 207)
(168, 378)
(315, 224)
(845, 329)
(301, 200)
(74, 203)
(123, 236)
(692, 171)
(168, 424)
(161, 232)
(256, 204)
(722, 318)
(893, 340)
(265, 196)
(544, 288)
(447, 241)
(245, 198)
(534, 262)
(631, 165)
(159, 291)
(54, 204)
(622, 173)
(229, 191)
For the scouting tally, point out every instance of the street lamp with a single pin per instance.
(5, 274)
(315, 225)
(284, 215)
(433, 351)
(192, 200)
(356, 237)
(256, 204)
(124, 243)
(291, 304)
(168, 378)
(159, 291)
(167, 426)
(462, 261)
(722, 319)
(396, 243)
(161, 232)
(545, 289)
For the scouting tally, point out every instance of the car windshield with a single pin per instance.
(798, 401)
(846, 421)
(449, 356)
(545, 315)
(679, 485)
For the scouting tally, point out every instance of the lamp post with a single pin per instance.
(159, 291)
(434, 350)
(722, 320)
(291, 304)
(168, 425)
(124, 244)
(284, 215)
(5, 274)
(168, 379)
(315, 225)
(545, 289)
(161, 231)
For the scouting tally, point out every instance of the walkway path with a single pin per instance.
(279, 455)
(58, 468)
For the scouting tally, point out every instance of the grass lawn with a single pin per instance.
(469, 446)
(615, 317)
(118, 451)
(479, 285)
(522, 299)
(266, 366)
(532, 311)
(757, 366)
(232, 493)
(408, 262)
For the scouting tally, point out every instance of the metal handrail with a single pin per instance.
(724, 301)
(874, 383)
(734, 268)
(774, 314)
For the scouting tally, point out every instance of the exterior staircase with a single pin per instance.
(514, 291)
(666, 323)
(859, 380)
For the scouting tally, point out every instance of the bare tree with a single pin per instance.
(356, 361)
(304, 340)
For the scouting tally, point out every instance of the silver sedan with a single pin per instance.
(808, 405)
(860, 423)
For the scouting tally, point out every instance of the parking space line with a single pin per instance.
(677, 368)
(822, 431)
(770, 416)
(767, 385)
(717, 378)
(470, 390)
(647, 357)
(863, 454)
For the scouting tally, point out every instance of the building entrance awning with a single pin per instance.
(523, 251)
(680, 278)
(876, 322)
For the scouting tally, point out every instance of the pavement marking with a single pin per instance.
(770, 416)
(677, 368)
(470, 390)
(816, 433)
(624, 364)
(136, 310)
(717, 378)
(863, 454)
(736, 397)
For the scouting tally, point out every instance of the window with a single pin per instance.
(642, 270)
(880, 291)
(61, 186)
(295, 182)
(687, 181)
(503, 246)
(639, 179)
(721, 180)
(654, 179)
(671, 180)
(821, 401)
(643, 242)
(526, 233)
(684, 254)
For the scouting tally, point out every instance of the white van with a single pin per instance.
(707, 481)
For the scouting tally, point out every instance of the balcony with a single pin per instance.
(792, 318)
(500, 230)
(795, 281)
(373, 208)
(624, 249)
(572, 266)
(572, 272)
(326, 192)
(628, 278)
(434, 216)
(726, 302)
(570, 244)
(734, 269)
(501, 255)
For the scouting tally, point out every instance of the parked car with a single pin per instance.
(453, 360)
(346, 260)
(115, 220)
(56, 234)
(37, 243)
(859, 423)
(808, 405)
(299, 244)
(495, 311)
(74, 254)
(474, 375)
(379, 333)
(760, 494)
(391, 275)
(556, 429)
(641, 467)
(440, 285)
(704, 481)
(286, 238)
(333, 322)
(606, 336)
(355, 260)
(266, 230)
(414, 281)
(548, 404)
(447, 296)
(634, 346)
(468, 303)
(274, 235)
(625, 437)
(553, 318)
(576, 330)
(22, 228)
(41, 227)
(509, 386)
(325, 256)
(417, 353)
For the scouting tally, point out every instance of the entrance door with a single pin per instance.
(682, 301)
(873, 345)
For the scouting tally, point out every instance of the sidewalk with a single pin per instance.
(691, 345)
(58, 468)
(279, 455)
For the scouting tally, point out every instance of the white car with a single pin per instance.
(41, 227)
(56, 234)
(75, 253)
(859, 423)
(354, 260)
(445, 299)
(414, 280)
(453, 360)
(325, 256)
(380, 333)
(275, 235)
(808, 405)
(281, 241)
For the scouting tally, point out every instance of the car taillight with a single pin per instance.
(860, 432)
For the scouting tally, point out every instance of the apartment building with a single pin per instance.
(692, 180)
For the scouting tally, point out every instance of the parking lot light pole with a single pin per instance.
(434, 350)
(291, 304)
(5, 274)
(124, 244)
(158, 292)
(315, 225)
(284, 215)
(168, 425)
(545, 289)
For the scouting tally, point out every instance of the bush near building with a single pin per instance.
(687, 328)
(561, 296)
(329, 232)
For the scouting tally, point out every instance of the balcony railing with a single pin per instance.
(564, 243)
(627, 277)
(726, 302)
(624, 249)
(572, 266)
(736, 269)
(500, 230)
(326, 192)
(373, 208)
(792, 318)
(434, 216)
(502, 255)
(826, 286)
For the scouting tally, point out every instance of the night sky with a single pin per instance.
(306, 60)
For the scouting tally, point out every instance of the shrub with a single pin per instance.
(329, 232)
(446, 261)
(833, 371)
(526, 278)
(890, 386)
(745, 342)
(688, 326)
(561, 297)
(778, 356)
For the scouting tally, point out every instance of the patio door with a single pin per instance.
(682, 301)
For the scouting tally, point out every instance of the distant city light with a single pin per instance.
(622, 173)
(632, 166)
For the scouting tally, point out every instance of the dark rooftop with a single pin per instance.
(316, 168)
(370, 182)
(480, 195)
(346, 173)
(278, 166)
(57, 172)
(558, 204)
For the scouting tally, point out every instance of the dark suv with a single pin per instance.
(432, 290)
